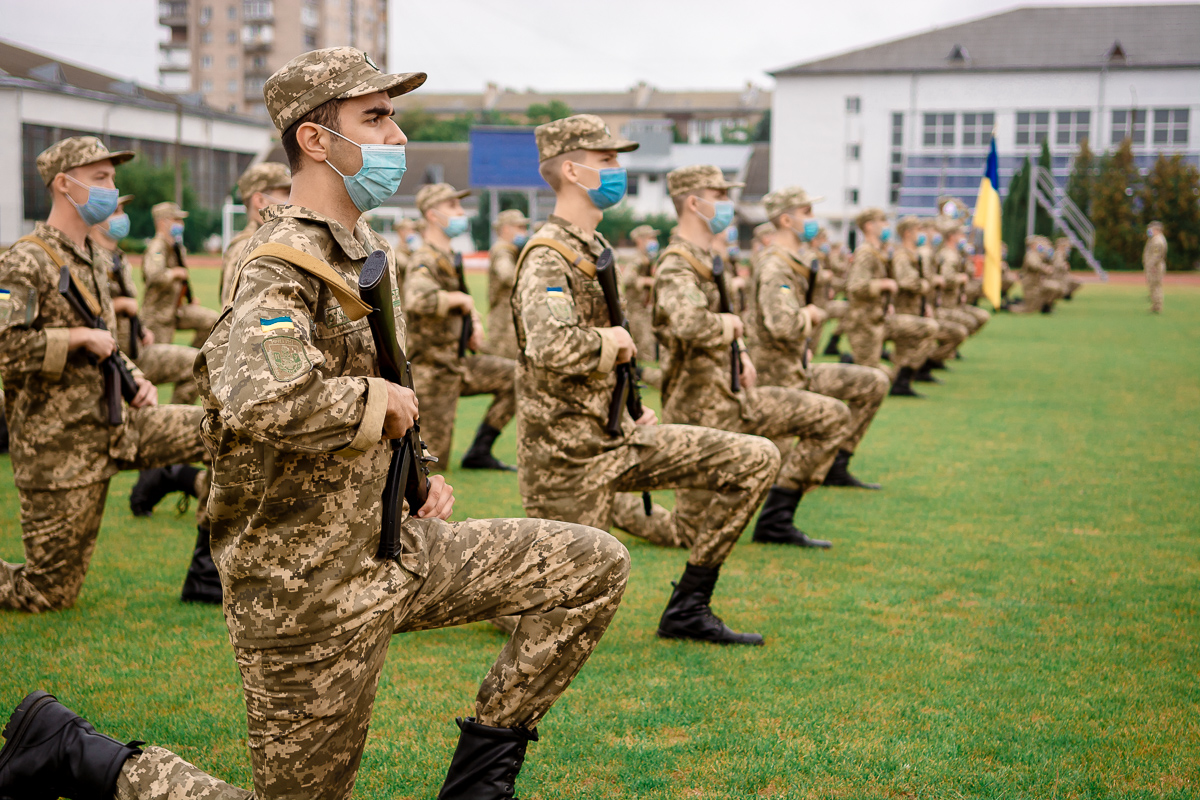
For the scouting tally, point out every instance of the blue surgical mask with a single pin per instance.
(652, 248)
(731, 235)
(722, 216)
(411, 240)
(100, 205)
(885, 235)
(456, 226)
(734, 253)
(613, 182)
(921, 240)
(118, 227)
(811, 229)
(177, 230)
(520, 239)
(937, 239)
(383, 167)
(825, 249)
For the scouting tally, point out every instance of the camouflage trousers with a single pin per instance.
(1154, 282)
(642, 331)
(1071, 285)
(961, 316)
(1007, 279)
(915, 338)
(862, 389)
(837, 309)
(735, 471)
(438, 390)
(171, 363)
(59, 526)
(187, 317)
(501, 336)
(949, 336)
(308, 707)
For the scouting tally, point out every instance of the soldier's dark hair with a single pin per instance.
(551, 169)
(325, 114)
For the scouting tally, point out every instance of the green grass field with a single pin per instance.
(1014, 616)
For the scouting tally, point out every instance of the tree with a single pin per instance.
(1119, 237)
(1083, 178)
(1013, 219)
(762, 133)
(1171, 194)
(481, 223)
(1043, 223)
(421, 126)
(540, 113)
(151, 185)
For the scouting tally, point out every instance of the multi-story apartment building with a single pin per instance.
(224, 50)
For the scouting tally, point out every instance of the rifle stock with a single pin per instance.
(408, 477)
(118, 380)
(135, 322)
(187, 283)
(468, 324)
(735, 351)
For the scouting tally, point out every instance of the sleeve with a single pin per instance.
(271, 386)
(555, 339)
(504, 267)
(422, 294)
(155, 267)
(25, 346)
(679, 299)
(782, 314)
(858, 282)
(908, 277)
(229, 264)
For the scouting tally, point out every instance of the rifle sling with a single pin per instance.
(574, 258)
(704, 270)
(88, 298)
(351, 303)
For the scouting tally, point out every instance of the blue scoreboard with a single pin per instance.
(504, 156)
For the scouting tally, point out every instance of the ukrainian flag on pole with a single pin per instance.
(987, 218)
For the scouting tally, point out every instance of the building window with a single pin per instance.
(206, 37)
(897, 129)
(1129, 125)
(310, 17)
(853, 105)
(231, 62)
(257, 9)
(977, 128)
(232, 85)
(852, 196)
(1171, 126)
(260, 62)
(631, 188)
(1072, 127)
(255, 84)
(231, 37)
(310, 40)
(206, 15)
(233, 12)
(853, 152)
(938, 130)
(1033, 127)
(205, 62)
(206, 87)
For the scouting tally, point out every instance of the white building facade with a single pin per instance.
(898, 124)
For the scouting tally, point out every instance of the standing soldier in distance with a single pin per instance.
(638, 278)
(1062, 268)
(165, 306)
(916, 293)
(570, 466)
(1154, 262)
(512, 231)
(262, 185)
(65, 445)
(298, 421)
(407, 231)
(1038, 287)
(435, 310)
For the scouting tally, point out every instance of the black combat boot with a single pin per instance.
(479, 456)
(1047, 308)
(937, 363)
(925, 376)
(839, 473)
(775, 524)
(3, 433)
(885, 354)
(846, 358)
(689, 614)
(155, 484)
(486, 762)
(831, 349)
(50, 752)
(902, 386)
(202, 583)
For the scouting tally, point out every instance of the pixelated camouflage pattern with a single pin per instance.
(866, 323)
(233, 256)
(779, 328)
(905, 269)
(502, 275)
(510, 216)
(431, 194)
(263, 177)
(950, 335)
(696, 177)
(439, 387)
(77, 151)
(1154, 262)
(643, 232)
(167, 210)
(578, 132)
(785, 199)
(163, 310)
(1037, 281)
(637, 302)
(433, 333)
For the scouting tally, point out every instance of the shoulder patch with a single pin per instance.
(695, 296)
(561, 306)
(286, 357)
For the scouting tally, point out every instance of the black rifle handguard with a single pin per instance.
(735, 351)
(468, 324)
(118, 380)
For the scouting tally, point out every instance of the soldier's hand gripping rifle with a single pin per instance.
(127, 290)
(187, 283)
(735, 351)
(626, 395)
(118, 380)
(408, 477)
(813, 269)
(468, 324)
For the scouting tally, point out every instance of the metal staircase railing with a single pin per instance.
(1067, 216)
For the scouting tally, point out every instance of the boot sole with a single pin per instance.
(794, 544)
(661, 635)
(21, 719)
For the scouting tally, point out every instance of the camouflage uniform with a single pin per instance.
(950, 334)
(1037, 282)
(867, 322)
(779, 339)
(440, 376)
(502, 272)
(569, 467)
(806, 427)
(1062, 267)
(948, 263)
(1154, 262)
(262, 177)
(638, 302)
(160, 362)
(63, 449)
(163, 306)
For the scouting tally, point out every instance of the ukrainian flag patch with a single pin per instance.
(785, 288)
(276, 324)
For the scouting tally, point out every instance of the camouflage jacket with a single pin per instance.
(1154, 255)
(906, 270)
(780, 327)
(54, 399)
(433, 331)
(232, 255)
(688, 325)
(565, 376)
(163, 292)
(839, 269)
(950, 264)
(869, 264)
(294, 413)
(502, 273)
(1034, 269)
(116, 288)
(638, 265)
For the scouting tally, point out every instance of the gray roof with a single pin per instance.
(1035, 38)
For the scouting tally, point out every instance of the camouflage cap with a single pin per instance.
(948, 226)
(78, 151)
(264, 176)
(643, 232)
(764, 230)
(403, 224)
(870, 215)
(335, 73)
(167, 211)
(1062, 241)
(580, 132)
(512, 216)
(906, 224)
(783, 200)
(432, 194)
(697, 177)
(1155, 224)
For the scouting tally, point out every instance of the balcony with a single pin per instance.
(258, 11)
(257, 37)
(173, 13)
(174, 58)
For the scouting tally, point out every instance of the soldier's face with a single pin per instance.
(368, 120)
(101, 175)
(596, 159)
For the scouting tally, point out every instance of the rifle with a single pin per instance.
(626, 394)
(135, 322)
(408, 477)
(813, 269)
(735, 351)
(468, 325)
(187, 283)
(118, 380)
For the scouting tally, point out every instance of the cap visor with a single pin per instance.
(125, 198)
(461, 193)
(394, 85)
(733, 185)
(612, 143)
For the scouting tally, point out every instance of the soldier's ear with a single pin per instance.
(313, 141)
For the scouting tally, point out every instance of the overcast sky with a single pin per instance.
(544, 44)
